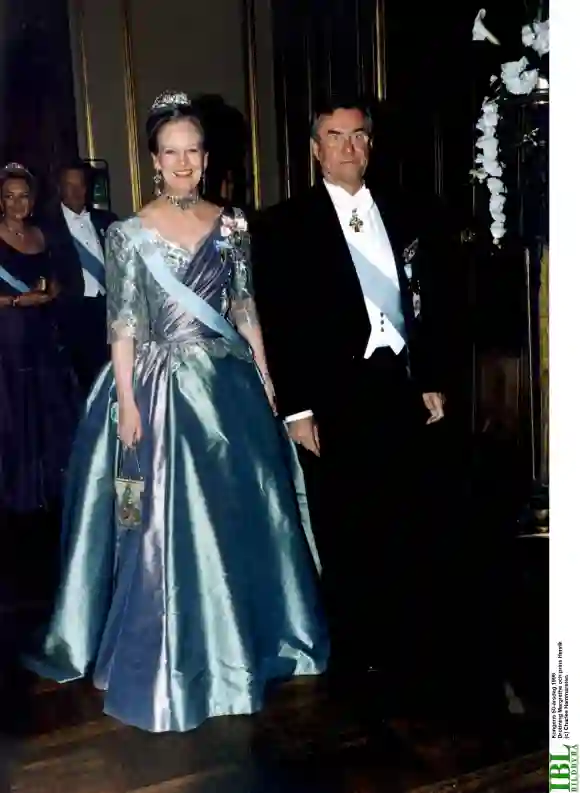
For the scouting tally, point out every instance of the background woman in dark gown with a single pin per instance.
(38, 395)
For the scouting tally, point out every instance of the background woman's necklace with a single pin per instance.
(14, 231)
(183, 201)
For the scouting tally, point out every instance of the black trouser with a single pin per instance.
(363, 496)
(84, 327)
(403, 591)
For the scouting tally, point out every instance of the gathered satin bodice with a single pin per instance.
(205, 273)
(138, 307)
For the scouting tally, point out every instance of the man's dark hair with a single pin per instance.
(75, 165)
(329, 106)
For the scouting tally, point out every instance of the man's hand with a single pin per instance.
(304, 432)
(434, 402)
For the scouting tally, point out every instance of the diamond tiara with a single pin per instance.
(14, 166)
(170, 99)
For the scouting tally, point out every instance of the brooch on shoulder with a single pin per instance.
(232, 230)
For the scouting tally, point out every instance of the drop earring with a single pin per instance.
(201, 185)
(157, 182)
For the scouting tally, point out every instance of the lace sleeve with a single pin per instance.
(126, 304)
(243, 307)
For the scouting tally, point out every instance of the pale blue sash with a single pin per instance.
(91, 264)
(380, 290)
(186, 297)
(20, 286)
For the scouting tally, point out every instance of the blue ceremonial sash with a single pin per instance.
(20, 286)
(196, 305)
(380, 290)
(91, 264)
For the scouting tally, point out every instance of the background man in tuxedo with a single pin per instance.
(76, 235)
(356, 377)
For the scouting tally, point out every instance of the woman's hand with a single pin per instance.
(129, 429)
(32, 298)
(42, 293)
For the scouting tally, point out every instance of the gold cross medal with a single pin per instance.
(355, 222)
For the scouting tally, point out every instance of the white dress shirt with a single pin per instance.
(372, 243)
(82, 228)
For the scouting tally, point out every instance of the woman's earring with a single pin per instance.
(157, 182)
(201, 185)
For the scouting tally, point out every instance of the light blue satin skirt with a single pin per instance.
(216, 594)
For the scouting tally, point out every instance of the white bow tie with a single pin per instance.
(360, 202)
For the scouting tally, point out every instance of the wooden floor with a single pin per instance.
(311, 737)
(306, 741)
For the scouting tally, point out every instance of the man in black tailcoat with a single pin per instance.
(345, 294)
(76, 237)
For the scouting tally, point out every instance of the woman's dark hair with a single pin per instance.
(158, 118)
(17, 172)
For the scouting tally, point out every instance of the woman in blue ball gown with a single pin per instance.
(190, 573)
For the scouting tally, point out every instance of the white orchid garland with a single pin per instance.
(518, 79)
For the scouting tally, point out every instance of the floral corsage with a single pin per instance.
(233, 232)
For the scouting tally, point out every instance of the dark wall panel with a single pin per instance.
(37, 117)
